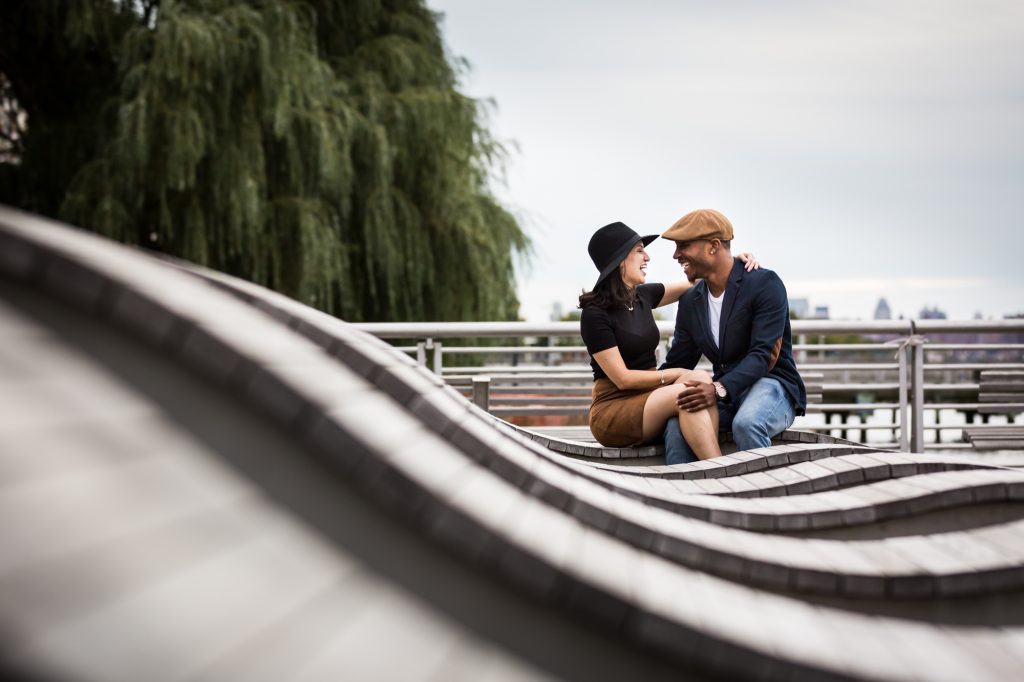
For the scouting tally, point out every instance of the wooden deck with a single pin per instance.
(202, 479)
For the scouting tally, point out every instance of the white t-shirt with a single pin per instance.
(715, 314)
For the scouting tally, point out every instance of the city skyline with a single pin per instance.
(806, 309)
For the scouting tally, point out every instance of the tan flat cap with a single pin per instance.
(704, 223)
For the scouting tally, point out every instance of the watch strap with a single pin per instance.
(720, 389)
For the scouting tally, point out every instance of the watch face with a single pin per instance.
(720, 390)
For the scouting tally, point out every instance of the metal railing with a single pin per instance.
(895, 355)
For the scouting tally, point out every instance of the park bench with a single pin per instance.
(552, 391)
(569, 394)
(578, 440)
(339, 496)
(999, 392)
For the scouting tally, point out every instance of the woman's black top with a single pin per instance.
(633, 331)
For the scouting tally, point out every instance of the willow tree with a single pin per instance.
(320, 147)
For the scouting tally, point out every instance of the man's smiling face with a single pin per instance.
(694, 257)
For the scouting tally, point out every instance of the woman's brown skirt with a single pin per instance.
(617, 416)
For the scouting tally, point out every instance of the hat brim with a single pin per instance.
(621, 256)
(680, 236)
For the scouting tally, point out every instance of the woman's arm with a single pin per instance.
(673, 290)
(610, 360)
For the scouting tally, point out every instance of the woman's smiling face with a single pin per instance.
(634, 266)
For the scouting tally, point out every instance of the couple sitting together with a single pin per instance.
(737, 316)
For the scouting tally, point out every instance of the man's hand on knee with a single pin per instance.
(696, 396)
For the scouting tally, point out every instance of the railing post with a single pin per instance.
(438, 361)
(917, 403)
(421, 352)
(482, 392)
(901, 354)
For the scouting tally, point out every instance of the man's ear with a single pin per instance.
(714, 245)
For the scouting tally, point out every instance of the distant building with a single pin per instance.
(882, 310)
(556, 311)
(932, 313)
(799, 307)
(821, 312)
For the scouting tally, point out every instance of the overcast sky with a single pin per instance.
(861, 148)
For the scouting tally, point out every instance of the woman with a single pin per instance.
(632, 399)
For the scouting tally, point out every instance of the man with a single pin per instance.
(740, 322)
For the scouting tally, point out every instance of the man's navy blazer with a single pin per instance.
(754, 324)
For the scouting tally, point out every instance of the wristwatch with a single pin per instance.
(720, 390)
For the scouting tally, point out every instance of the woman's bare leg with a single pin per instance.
(700, 429)
(660, 407)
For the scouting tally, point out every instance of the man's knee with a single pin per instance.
(765, 412)
(750, 425)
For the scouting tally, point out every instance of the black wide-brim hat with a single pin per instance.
(611, 244)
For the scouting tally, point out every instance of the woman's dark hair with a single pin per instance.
(610, 293)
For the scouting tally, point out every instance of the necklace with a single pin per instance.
(629, 307)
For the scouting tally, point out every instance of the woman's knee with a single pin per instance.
(694, 375)
(662, 402)
(659, 408)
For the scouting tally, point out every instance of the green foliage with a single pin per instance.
(844, 339)
(317, 147)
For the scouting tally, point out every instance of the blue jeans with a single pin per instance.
(762, 411)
